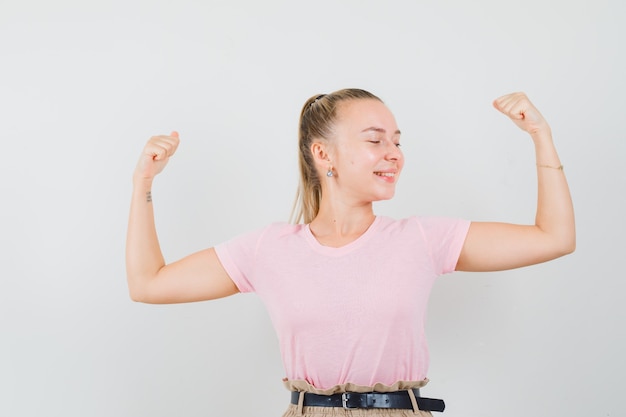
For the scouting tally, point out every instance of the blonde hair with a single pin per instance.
(317, 120)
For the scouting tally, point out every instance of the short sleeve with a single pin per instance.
(445, 237)
(238, 257)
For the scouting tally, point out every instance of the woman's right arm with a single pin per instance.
(197, 277)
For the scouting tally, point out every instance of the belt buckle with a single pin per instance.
(344, 400)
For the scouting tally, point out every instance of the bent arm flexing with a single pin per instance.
(499, 246)
(197, 277)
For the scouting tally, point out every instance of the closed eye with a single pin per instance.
(378, 141)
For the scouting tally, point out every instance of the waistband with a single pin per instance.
(367, 400)
(300, 389)
(302, 385)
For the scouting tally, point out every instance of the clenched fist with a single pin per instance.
(523, 113)
(155, 155)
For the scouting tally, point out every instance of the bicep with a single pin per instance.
(197, 277)
(500, 246)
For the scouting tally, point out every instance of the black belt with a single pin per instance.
(395, 399)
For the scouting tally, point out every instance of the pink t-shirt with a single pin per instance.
(353, 314)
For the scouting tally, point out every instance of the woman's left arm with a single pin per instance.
(500, 246)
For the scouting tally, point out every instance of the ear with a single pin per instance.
(321, 154)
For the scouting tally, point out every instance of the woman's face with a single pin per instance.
(365, 154)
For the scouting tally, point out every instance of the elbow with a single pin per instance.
(560, 243)
(135, 295)
(570, 248)
(145, 294)
(142, 297)
(136, 292)
(141, 285)
(566, 246)
(570, 244)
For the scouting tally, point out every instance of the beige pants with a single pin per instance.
(302, 386)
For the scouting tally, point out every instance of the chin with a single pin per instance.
(384, 197)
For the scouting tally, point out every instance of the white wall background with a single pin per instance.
(84, 84)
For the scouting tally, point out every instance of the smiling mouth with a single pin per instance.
(385, 174)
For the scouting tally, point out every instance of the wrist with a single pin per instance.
(142, 183)
(542, 136)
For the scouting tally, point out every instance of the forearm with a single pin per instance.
(496, 246)
(143, 253)
(555, 212)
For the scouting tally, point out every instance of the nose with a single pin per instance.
(393, 152)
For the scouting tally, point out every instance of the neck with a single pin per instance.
(336, 226)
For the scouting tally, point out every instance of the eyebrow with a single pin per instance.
(379, 130)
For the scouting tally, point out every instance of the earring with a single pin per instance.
(329, 173)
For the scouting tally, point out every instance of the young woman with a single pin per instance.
(347, 290)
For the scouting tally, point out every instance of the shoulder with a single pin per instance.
(279, 230)
(269, 232)
(416, 221)
(423, 225)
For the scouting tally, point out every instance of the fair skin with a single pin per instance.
(366, 163)
(366, 159)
